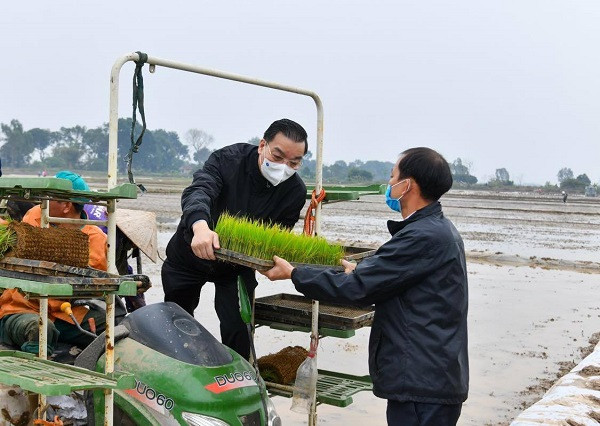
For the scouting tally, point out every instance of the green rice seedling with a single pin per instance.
(263, 241)
(8, 238)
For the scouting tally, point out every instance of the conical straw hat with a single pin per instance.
(140, 227)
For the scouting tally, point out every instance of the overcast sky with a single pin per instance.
(513, 84)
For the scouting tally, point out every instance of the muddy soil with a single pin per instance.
(533, 278)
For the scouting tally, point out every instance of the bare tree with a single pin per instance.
(502, 175)
(254, 141)
(199, 141)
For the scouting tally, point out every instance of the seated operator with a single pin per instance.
(19, 315)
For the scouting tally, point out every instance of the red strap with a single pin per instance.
(309, 218)
(314, 343)
(309, 228)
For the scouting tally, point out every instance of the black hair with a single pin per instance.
(290, 129)
(429, 169)
(78, 207)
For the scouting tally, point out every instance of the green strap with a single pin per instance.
(138, 103)
(245, 306)
(246, 314)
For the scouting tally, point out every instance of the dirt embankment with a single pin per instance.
(501, 259)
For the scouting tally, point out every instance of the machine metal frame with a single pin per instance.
(112, 168)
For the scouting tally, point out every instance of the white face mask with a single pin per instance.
(276, 172)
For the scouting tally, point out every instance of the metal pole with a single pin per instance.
(319, 171)
(113, 118)
(43, 323)
(113, 131)
(111, 225)
(314, 335)
(109, 361)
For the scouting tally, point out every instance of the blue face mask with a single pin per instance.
(394, 203)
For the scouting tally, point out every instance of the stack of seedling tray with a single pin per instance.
(253, 244)
(83, 282)
(295, 310)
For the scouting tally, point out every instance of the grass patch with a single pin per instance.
(263, 241)
(8, 238)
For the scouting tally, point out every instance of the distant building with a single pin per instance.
(188, 168)
(590, 191)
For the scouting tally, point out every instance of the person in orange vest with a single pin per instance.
(19, 316)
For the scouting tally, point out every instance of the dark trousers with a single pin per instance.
(183, 287)
(21, 330)
(420, 414)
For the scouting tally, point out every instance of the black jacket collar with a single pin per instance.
(396, 225)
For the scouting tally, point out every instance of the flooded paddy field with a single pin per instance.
(533, 282)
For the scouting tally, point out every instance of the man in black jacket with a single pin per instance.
(417, 280)
(243, 180)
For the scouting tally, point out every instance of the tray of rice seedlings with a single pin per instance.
(253, 243)
(296, 310)
(281, 367)
(358, 253)
(55, 244)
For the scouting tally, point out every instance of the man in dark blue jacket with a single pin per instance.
(418, 356)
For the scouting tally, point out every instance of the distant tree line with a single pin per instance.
(568, 182)
(566, 179)
(81, 148)
(162, 151)
(341, 172)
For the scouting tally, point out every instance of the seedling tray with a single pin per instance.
(33, 189)
(44, 267)
(297, 310)
(358, 253)
(52, 279)
(51, 378)
(333, 388)
(256, 263)
(353, 253)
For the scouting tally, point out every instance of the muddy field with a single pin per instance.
(533, 270)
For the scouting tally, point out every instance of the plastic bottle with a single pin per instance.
(305, 384)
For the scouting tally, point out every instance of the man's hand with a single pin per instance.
(281, 271)
(204, 241)
(349, 267)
